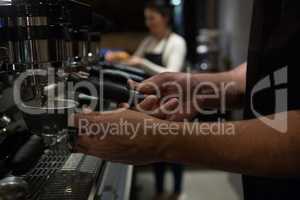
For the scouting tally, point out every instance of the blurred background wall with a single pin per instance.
(234, 21)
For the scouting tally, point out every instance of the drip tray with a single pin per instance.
(48, 165)
(64, 176)
(68, 185)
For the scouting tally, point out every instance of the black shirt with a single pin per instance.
(272, 81)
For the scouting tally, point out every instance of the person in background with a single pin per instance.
(163, 50)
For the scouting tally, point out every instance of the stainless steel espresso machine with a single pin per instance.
(45, 44)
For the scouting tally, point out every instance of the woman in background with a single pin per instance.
(162, 51)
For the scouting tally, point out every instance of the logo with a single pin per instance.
(280, 120)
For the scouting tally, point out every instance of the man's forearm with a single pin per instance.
(229, 85)
(248, 147)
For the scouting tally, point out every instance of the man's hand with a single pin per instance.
(169, 96)
(181, 96)
(123, 136)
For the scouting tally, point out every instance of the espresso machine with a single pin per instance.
(57, 39)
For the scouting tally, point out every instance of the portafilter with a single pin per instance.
(50, 120)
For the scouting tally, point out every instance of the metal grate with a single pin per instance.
(68, 186)
(44, 170)
(64, 176)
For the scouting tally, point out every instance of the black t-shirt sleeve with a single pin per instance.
(274, 54)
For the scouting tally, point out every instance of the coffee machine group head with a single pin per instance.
(42, 34)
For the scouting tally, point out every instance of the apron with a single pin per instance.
(157, 58)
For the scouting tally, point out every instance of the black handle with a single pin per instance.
(124, 68)
(116, 92)
(116, 74)
(28, 155)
